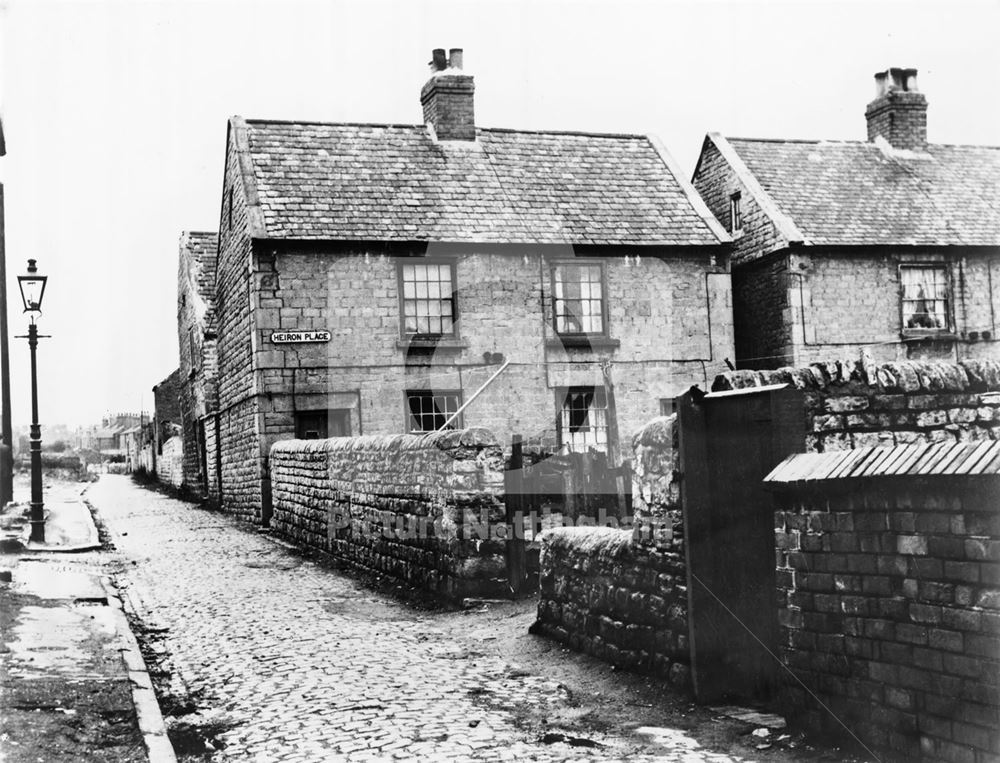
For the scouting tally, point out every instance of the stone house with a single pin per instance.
(196, 335)
(372, 278)
(889, 245)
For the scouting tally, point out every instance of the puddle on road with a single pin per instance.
(364, 608)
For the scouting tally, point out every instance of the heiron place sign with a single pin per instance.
(299, 337)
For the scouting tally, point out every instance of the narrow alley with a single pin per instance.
(270, 656)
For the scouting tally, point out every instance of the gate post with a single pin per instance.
(515, 551)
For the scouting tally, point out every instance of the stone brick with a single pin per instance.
(911, 544)
(849, 404)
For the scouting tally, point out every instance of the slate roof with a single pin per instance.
(867, 193)
(395, 182)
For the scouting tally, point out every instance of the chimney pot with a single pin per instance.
(455, 58)
(438, 60)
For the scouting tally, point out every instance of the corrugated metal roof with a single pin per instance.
(926, 460)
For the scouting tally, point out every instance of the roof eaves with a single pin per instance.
(241, 144)
(698, 203)
(785, 225)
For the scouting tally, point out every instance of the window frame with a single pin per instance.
(562, 396)
(736, 212)
(408, 415)
(553, 266)
(451, 263)
(948, 328)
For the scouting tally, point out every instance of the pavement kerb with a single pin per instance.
(147, 709)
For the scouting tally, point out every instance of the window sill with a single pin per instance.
(937, 335)
(583, 341)
(446, 344)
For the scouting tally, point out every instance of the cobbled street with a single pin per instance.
(273, 657)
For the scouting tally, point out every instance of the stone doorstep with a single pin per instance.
(147, 709)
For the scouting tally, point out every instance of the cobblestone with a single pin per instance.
(294, 661)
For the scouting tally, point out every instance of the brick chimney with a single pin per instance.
(447, 97)
(899, 111)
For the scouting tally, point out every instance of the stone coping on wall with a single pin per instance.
(606, 541)
(447, 440)
(910, 376)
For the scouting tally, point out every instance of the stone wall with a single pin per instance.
(212, 464)
(426, 510)
(239, 439)
(853, 404)
(889, 603)
(673, 309)
(170, 462)
(621, 594)
(716, 181)
(196, 337)
(241, 491)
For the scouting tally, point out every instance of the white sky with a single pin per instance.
(115, 117)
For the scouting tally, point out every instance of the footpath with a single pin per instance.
(73, 685)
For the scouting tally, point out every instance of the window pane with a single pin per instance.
(583, 419)
(427, 293)
(578, 299)
(925, 297)
(430, 410)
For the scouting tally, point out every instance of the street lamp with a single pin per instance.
(32, 288)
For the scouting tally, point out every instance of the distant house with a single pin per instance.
(890, 245)
(372, 278)
(167, 454)
(196, 334)
(110, 438)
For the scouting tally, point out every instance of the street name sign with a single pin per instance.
(299, 337)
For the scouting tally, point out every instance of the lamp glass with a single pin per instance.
(31, 292)
(32, 288)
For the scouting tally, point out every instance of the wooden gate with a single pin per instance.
(728, 442)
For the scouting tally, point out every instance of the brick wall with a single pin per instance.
(900, 117)
(852, 404)
(889, 597)
(426, 510)
(621, 594)
(447, 100)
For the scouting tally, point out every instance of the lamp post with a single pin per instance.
(32, 288)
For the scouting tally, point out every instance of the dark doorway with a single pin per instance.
(318, 425)
(728, 442)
